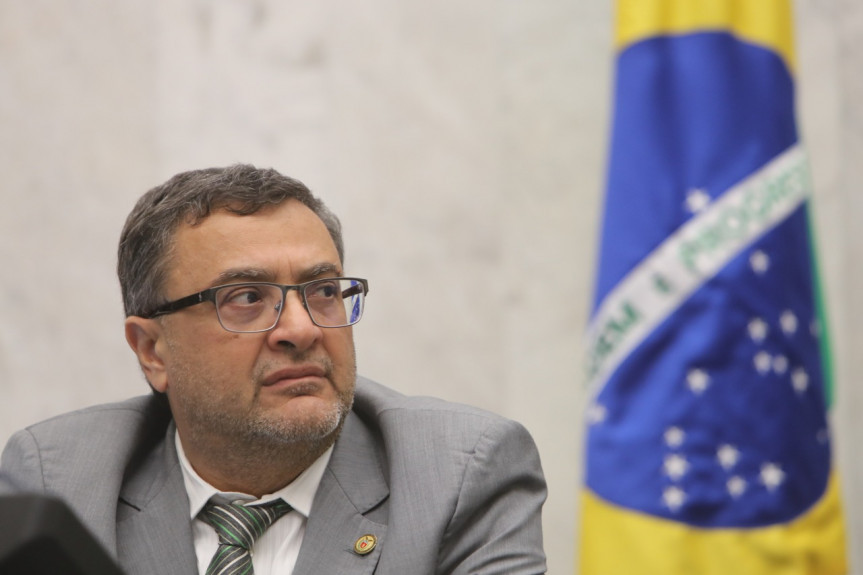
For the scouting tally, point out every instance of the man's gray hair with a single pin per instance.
(147, 240)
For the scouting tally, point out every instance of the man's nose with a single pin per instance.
(295, 327)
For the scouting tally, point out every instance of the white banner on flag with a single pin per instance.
(690, 257)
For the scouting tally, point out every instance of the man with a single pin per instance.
(240, 316)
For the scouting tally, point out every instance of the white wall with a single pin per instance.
(462, 143)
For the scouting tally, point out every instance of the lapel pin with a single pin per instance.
(365, 544)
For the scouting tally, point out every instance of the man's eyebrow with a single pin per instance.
(234, 275)
(318, 270)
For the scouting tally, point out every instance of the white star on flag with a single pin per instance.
(780, 364)
(675, 466)
(757, 329)
(736, 486)
(788, 321)
(674, 437)
(823, 435)
(696, 200)
(799, 380)
(728, 456)
(772, 476)
(762, 361)
(596, 413)
(759, 261)
(697, 380)
(673, 497)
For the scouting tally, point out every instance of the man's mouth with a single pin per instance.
(302, 376)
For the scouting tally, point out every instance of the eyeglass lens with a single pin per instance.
(255, 307)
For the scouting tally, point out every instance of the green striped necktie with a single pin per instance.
(238, 526)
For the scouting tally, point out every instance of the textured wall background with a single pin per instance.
(462, 143)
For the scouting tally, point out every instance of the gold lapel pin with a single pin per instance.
(365, 544)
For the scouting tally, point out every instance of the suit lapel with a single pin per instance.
(154, 532)
(349, 504)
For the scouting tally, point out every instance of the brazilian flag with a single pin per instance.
(708, 446)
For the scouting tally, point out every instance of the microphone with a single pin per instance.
(39, 535)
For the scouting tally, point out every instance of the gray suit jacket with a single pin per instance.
(445, 488)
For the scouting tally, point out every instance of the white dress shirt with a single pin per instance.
(277, 549)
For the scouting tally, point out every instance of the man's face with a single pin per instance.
(293, 383)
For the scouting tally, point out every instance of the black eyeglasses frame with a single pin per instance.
(209, 294)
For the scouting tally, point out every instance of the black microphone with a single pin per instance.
(39, 535)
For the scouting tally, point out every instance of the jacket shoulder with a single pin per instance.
(122, 412)
(76, 447)
(372, 398)
(404, 422)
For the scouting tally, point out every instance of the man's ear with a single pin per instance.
(146, 339)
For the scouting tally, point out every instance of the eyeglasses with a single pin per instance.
(256, 307)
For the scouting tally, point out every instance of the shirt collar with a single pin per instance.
(299, 493)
